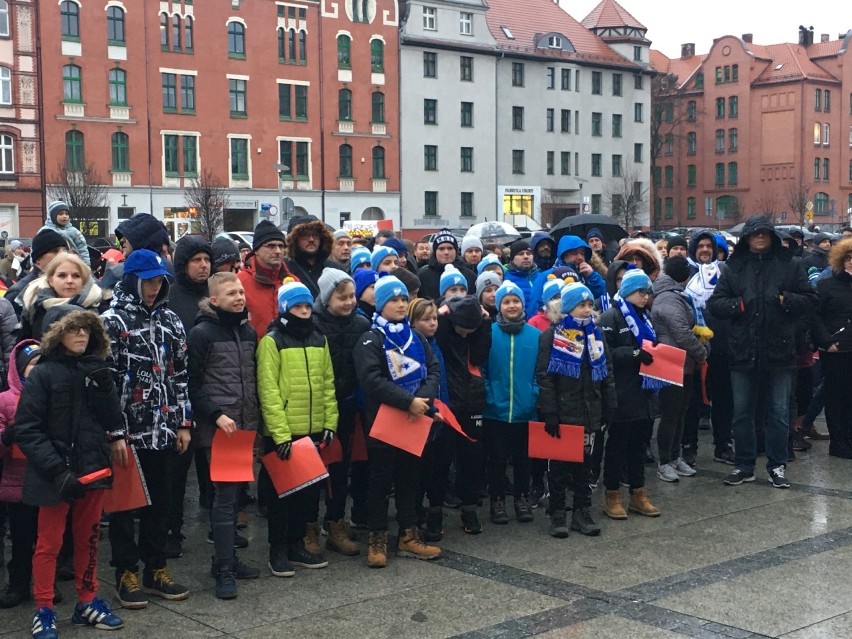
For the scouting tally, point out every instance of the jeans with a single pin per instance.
(674, 402)
(774, 387)
(625, 448)
(505, 442)
(223, 513)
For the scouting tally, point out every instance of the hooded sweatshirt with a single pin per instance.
(185, 295)
(541, 262)
(594, 281)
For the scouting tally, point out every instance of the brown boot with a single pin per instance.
(377, 550)
(612, 506)
(339, 541)
(639, 503)
(412, 545)
(312, 534)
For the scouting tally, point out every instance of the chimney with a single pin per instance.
(687, 50)
(824, 37)
(748, 37)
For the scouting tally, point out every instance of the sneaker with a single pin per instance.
(799, 441)
(813, 433)
(682, 468)
(240, 570)
(559, 524)
(104, 520)
(128, 591)
(44, 624)
(689, 456)
(174, 545)
(96, 613)
(159, 582)
(411, 545)
(725, 456)
(433, 528)
(738, 477)
(14, 596)
(278, 564)
(667, 472)
(239, 540)
(581, 521)
(537, 495)
(523, 511)
(226, 582)
(470, 522)
(498, 512)
(777, 478)
(299, 556)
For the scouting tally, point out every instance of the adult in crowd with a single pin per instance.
(574, 253)
(422, 251)
(818, 256)
(341, 248)
(471, 249)
(308, 251)
(140, 231)
(642, 252)
(16, 261)
(833, 335)
(381, 237)
(678, 246)
(47, 244)
(225, 255)
(762, 292)
(445, 250)
(595, 240)
(59, 219)
(543, 247)
(845, 232)
(522, 271)
(799, 237)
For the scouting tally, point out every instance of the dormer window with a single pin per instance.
(554, 42)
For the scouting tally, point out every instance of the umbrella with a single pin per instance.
(580, 225)
(497, 232)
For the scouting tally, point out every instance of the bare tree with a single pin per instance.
(627, 195)
(85, 193)
(797, 195)
(767, 204)
(209, 197)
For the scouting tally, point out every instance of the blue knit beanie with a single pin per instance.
(360, 255)
(508, 288)
(488, 260)
(387, 288)
(364, 278)
(552, 287)
(380, 253)
(573, 294)
(634, 280)
(292, 293)
(451, 277)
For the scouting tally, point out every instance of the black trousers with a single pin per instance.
(178, 472)
(150, 547)
(625, 449)
(287, 517)
(435, 469)
(836, 373)
(674, 401)
(689, 439)
(470, 460)
(721, 402)
(391, 468)
(338, 474)
(564, 475)
(506, 442)
(23, 529)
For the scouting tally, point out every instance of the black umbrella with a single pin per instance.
(580, 225)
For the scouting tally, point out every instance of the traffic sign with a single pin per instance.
(809, 206)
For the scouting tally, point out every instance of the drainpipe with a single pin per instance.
(41, 146)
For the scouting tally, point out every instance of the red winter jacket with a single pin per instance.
(261, 286)
(12, 481)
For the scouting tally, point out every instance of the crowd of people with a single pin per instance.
(311, 333)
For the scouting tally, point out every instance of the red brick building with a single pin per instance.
(750, 128)
(155, 96)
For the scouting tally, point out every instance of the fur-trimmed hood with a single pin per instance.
(839, 251)
(326, 240)
(647, 249)
(61, 318)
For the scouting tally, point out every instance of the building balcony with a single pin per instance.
(119, 112)
(345, 126)
(380, 128)
(121, 178)
(74, 109)
(380, 185)
(346, 184)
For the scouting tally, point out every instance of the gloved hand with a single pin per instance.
(703, 333)
(551, 425)
(102, 378)
(327, 437)
(283, 450)
(644, 356)
(68, 487)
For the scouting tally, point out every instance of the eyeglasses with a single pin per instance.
(78, 330)
(644, 292)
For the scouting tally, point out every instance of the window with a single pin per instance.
(517, 161)
(825, 169)
(669, 172)
(430, 111)
(826, 101)
(190, 155)
(117, 87)
(74, 152)
(301, 102)
(691, 175)
(517, 118)
(344, 105)
(816, 168)
(430, 18)
(616, 166)
(733, 140)
(466, 204)
(291, 47)
(817, 133)
(637, 81)
(565, 120)
(285, 155)
(616, 125)
(467, 114)
(817, 99)
(826, 130)
(430, 203)
(467, 159)
(668, 143)
(517, 74)
(727, 73)
(115, 25)
(691, 110)
(668, 112)
(718, 75)
(554, 42)
(465, 23)
(821, 204)
(4, 28)
(735, 73)
(637, 112)
(596, 203)
(550, 78)
(236, 40)
(466, 68)
(344, 159)
(188, 32)
(120, 152)
(596, 164)
(550, 162)
(549, 120)
(303, 47)
(691, 143)
(378, 163)
(282, 45)
(850, 173)
(187, 93)
(658, 176)
(72, 83)
(596, 124)
(732, 174)
(720, 108)
(7, 154)
(239, 159)
(669, 208)
(176, 32)
(284, 108)
(169, 92)
(170, 155)
(378, 107)
(565, 163)
(637, 153)
(616, 84)
(566, 79)
(597, 80)
(377, 56)
(237, 95)
(733, 106)
(5, 85)
(69, 20)
(164, 32)
(699, 80)
(344, 48)
(430, 157)
(430, 64)
(720, 174)
(637, 54)
(690, 207)
(720, 140)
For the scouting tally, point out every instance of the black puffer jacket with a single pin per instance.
(634, 403)
(63, 418)
(430, 278)
(185, 295)
(834, 312)
(762, 331)
(467, 390)
(342, 334)
(222, 372)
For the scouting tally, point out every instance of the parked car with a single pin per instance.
(241, 236)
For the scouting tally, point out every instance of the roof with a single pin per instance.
(788, 62)
(683, 68)
(610, 14)
(531, 18)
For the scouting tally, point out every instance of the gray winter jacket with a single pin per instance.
(72, 234)
(674, 319)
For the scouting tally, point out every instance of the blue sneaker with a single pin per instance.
(44, 624)
(96, 613)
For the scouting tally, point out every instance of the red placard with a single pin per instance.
(667, 365)
(568, 447)
(232, 456)
(303, 468)
(392, 427)
(331, 454)
(129, 490)
(450, 419)
(17, 453)
(91, 478)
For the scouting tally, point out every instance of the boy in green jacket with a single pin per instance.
(295, 381)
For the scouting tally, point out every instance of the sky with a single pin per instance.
(673, 22)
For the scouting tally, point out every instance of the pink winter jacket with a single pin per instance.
(12, 480)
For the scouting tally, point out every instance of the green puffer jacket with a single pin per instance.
(295, 382)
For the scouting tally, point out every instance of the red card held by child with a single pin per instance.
(303, 468)
(568, 447)
(17, 453)
(332, 453)
(392, 427)
(667, 365)
(91, 478)
(450, 419)
(129, 490)
(232, 456)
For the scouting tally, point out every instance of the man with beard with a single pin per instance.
(422, 250)
(341, 248)
(445, 250)
(309, 251)
(574, 253)
(522, 271)
(542, 247)
(595, 240)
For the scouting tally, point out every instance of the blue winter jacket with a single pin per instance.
(511, 392)
(594, 281)
(525, 282)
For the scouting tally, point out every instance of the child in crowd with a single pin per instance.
(550, 312)
(492, 264)
(395, 366)
(66, 410)
(486, 289)
(295, 381)
(365, 281)
(511, 395)
(451, 284)
(223, 392)
(359, 259)
(576, 386)
(384, 259)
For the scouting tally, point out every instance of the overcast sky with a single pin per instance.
(673, 22)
